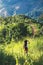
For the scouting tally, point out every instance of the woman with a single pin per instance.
(25, 46)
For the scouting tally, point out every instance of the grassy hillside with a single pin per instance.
(13, 31)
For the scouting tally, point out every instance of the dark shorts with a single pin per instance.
(26, 49)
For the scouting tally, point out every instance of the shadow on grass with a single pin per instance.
(25, 61)
(39, 62)
(21, 61)
(7, 59)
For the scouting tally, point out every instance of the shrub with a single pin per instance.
(5, 35)
(29, 30)
(19, 31)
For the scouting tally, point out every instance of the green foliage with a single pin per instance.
(13, 54)
(19, 31)
(5, 35)
(41, 31)
(21, 60)
(17, 27)
(40, 19)
(29, 30)
(6, 59)
(39, 62)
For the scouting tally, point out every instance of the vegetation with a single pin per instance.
(13, 31)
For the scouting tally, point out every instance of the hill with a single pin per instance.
(13, 31)
(19, 26)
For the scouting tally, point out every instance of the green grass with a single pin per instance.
(15, 49)
(12, 52)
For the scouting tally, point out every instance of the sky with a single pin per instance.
(32, 8)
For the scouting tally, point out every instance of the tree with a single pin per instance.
(19, 31)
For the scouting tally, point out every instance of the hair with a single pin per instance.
(25, 42)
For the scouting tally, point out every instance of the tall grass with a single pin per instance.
(13, 54)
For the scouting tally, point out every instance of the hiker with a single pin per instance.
(25, 46)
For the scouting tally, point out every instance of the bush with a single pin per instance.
(29, 30)
(19, 31)
(2, 40)
(41, 30)
(5, 35)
